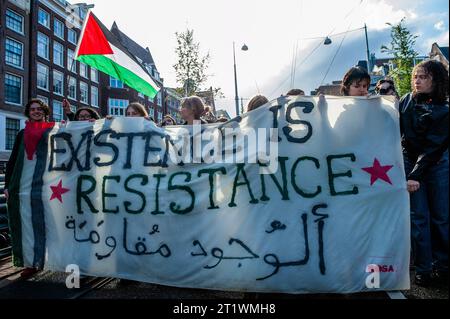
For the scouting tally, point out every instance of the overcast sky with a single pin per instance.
(272, 30)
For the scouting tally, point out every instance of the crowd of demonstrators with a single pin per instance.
(424, 129)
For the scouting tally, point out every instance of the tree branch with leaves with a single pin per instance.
(191, 67)
(402, 48)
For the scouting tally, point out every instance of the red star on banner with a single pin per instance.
(58, 191)
(378, 172)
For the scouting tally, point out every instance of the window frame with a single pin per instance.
(48, 16)
(22, 31)
(62, 83)
(87, 93)
(48, 46)
(47, 89)
(21, 89)
(21, 55)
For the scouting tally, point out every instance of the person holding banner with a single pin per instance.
(386, 87)
(192, 109)
(256, 102)
(86, 114)
(356, 82)
(168, 121)
(37, 112)
(137, 110)
(424, 128)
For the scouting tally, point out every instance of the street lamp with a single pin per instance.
(369, 60)
(244, 48)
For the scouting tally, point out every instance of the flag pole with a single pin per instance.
(74, 60)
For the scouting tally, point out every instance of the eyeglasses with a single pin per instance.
(385, 91)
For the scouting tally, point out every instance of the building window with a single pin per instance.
(94, 96)
(57, 111)
(13, 89)
(142, 96)
(84, 93)
(43, 45)
(82, 13)
(159, 99)
(71, 63)
(58, 83)
(114, 83)
(58, 28)
(94, 75)
(151, 112)
(72, 36)
(58, 54)
(44, 18)
(83, 70)
(14, 21)
(117, 107)
(14, 53)
(72, 94)
(12, 129)
(42, 77)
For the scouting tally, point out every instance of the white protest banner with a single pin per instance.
(322, 209)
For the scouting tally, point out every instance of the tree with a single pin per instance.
(402, 48)
(191, 68)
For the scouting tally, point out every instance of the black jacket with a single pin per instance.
(424, 129)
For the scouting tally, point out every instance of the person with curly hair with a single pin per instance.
(424, 129)
(37, 112)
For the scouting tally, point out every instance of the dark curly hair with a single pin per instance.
(355, 74)
(439, 75)
(43, 105)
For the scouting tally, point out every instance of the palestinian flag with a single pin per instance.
(100, 49)
(25, 207)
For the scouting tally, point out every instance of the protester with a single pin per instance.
(86, 114)
(386, 87)
(424, 128)
(168, 121)
(209, 116)
(295, 92)
(136, 110)
(192, 109)
(256, 102)
(37, 112)
(356, 82)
